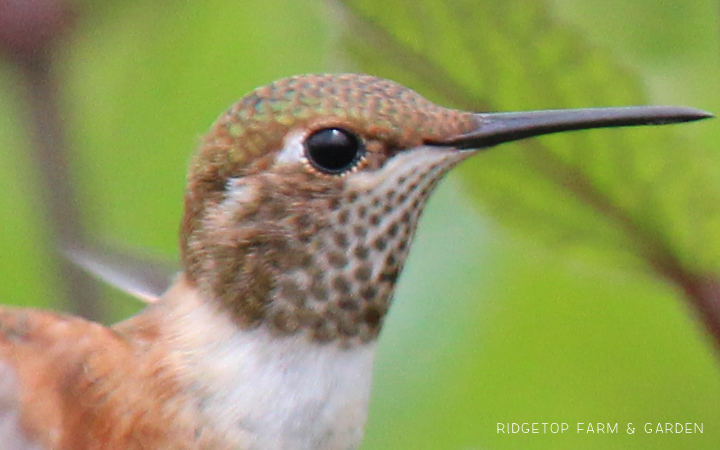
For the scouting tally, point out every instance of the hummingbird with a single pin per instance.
(299, 212)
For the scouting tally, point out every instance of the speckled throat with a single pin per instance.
(281, 244)
(326, 267)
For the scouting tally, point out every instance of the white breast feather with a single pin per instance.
(277, 393)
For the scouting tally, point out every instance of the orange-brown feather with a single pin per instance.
(83, 386)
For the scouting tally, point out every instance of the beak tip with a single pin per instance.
(705, 115)
(689, 114)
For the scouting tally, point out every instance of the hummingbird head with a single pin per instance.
(303, 197)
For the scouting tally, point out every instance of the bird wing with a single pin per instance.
(12, 434)
(68, 383)
(28, 374)
(143, 275)
(41, 356)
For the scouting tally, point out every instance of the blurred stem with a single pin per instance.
(50, 154)
(705, 295)
(703, 292)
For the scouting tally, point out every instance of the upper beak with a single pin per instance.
(496, 128)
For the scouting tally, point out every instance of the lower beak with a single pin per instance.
(496, 128)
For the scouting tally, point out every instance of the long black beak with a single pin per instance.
(496, 128)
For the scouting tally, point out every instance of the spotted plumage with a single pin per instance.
(300, 209)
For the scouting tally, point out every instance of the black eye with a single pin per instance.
(333, 150)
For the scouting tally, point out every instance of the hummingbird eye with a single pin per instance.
(333, 150)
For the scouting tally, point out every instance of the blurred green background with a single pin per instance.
(492, 323)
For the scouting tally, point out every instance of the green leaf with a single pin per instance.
(631, 196)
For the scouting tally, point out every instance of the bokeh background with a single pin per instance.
(519, 303)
